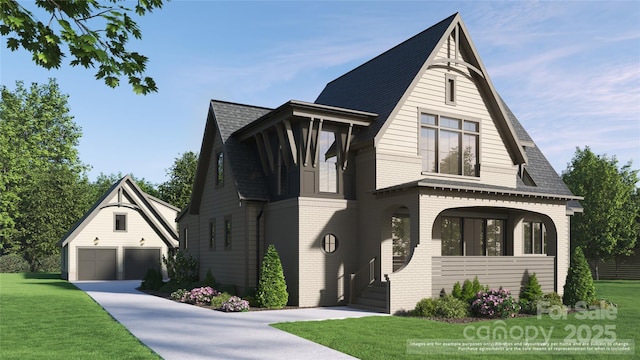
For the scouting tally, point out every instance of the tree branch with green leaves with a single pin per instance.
(96, 34)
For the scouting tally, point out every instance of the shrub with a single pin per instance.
(181, 267)
(495, 304)
(467, 293)
(272, 288)
(173, 285)
(235, 304)
(603, 304)
(451, 308)
(178, 294)
(13, 263)
(216, 302)
(49, 263)
(152, 280)
(200, 296)
(425, 308)
(532, 290)
(457, 291)
(476, 287)
(579, 285)
(209, 280)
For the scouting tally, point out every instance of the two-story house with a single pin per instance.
(407, 174)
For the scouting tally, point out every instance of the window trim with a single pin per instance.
(228, 233)
(126, 222)
(324, 243)
(544, 238)
(212, 234)
(220, 168)
(462, 132)
(185, 237)
(450, 85)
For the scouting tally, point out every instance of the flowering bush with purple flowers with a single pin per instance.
(199, 296)
(495, 304)
(235, 304)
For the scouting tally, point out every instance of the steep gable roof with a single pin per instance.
(380, 84)
(226, 118)
(141, 201)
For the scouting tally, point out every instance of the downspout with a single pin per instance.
(258, 244)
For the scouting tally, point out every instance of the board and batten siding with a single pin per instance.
(400, 141)
(508, 272)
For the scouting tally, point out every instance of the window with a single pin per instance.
(212, 235)
(329, 243)
(220, 169)
(441, 139)
(450, 89)
(328, 164)
(451, 236)
(493, 235)
(185, 238)
(535, 238)
(227, 234)
(120, 222)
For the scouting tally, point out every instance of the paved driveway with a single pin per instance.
(182, 331)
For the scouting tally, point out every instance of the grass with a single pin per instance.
(380, 337)
(44, 317)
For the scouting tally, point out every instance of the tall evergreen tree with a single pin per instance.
(579, 285)
(272, 288)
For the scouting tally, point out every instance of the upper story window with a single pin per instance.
(441, 141)
(212, 234)
(450, 89)
(328, 164)
(227, 233)
(220, 169)
(120, 222)
(185, 238)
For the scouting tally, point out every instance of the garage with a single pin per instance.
(138, 261)
(97, 264)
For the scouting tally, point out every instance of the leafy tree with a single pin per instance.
(177, 190)
(272, 288)
(609, 225)
(96, 34)
(579, 285)
(104, 182)
(38, 154)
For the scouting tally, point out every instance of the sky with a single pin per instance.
(570, 71)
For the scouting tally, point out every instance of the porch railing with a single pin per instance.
(362, 278)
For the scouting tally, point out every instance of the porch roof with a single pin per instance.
(446, 184)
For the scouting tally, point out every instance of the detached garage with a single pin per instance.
(123, 235)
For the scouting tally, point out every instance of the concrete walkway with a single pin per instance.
(181, 331)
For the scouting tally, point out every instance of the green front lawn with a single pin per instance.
(44, 317)
(379, 337)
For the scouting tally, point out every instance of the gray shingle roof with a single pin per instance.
(378, 85)
(244, 162)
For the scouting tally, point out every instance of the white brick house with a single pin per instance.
(406, 174)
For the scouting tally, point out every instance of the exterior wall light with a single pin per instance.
(95, 241)
(142, 242)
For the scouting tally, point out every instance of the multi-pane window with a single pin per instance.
(451, 236)
(227, 234)
(535, 238)
(449, 145)
(493, 235)
(220, 169)
(328, 164)
(120, 222)
(212, 235)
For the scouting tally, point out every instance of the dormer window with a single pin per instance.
(328, 164)
(441, 141)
